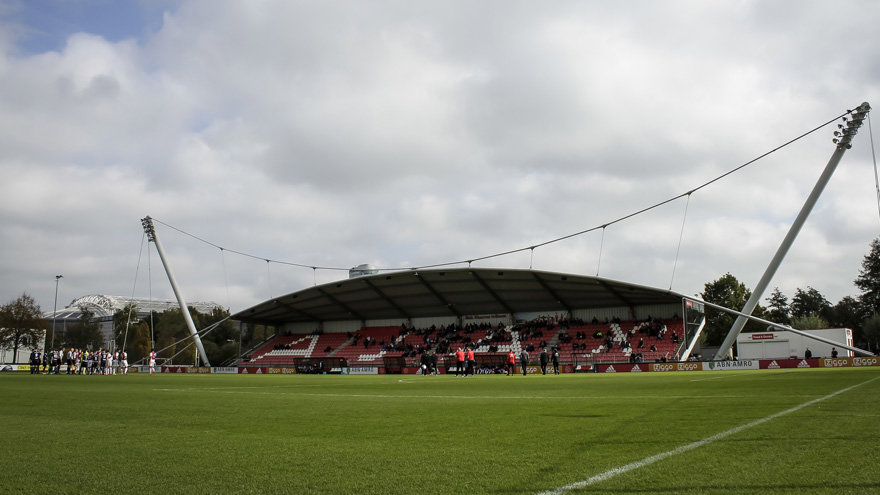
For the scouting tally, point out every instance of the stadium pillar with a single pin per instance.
(151, 234)
(843, 144)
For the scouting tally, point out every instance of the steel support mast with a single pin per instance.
(843, 141)
(151, 235)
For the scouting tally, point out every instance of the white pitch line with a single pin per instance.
(724, 375)
(279, 392)
(684, 448)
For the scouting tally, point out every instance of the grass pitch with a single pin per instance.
(403, 434)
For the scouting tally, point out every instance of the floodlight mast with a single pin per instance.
(151, 235)
(843, 140)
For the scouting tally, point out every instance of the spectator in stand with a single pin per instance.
(653, 348)
(807, 353)
(544, 359)
(641, 343)
(833, 352)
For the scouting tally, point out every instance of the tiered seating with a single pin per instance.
(358, 355)
(331, 340)
(665, 346)
(282, 350)
(294, 346)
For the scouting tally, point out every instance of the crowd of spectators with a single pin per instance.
(444, 339)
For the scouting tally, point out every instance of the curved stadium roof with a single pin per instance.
(103, 306)
(451, 292)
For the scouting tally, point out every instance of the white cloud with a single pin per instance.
(405, 134)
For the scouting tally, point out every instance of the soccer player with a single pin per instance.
(152, 362)
(511, 363)
(124, 363)
(471, 362)
(459, 358)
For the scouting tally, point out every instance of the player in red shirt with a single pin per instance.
(511, 363)
(459, 357)
(471, 362)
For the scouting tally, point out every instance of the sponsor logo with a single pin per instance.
(664, 367)
(363, 370)
(610, 369)
(636, 368)
(773, 366)
(762, 336)
(804, 364)
(870, 361)
(835, 363)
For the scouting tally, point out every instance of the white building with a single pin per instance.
(782, 345)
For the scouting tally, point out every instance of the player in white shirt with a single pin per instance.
(153, 362)
(124, 362)
(109, 369)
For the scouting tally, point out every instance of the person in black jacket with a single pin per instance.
(555, 358)
(545, 358)
(524, 360)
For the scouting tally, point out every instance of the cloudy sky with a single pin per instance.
(402, 133)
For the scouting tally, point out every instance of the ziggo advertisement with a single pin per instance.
(754, 364)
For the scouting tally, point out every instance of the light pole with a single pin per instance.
(55, 309)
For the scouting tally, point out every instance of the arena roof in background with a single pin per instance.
(451, 292)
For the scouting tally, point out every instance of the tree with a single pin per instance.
(21, 324)
(847, 313)
(871, 332)
(810, 322)
(138, 345)
(777, 308)
(84, 334)
(809, 303)
(869, 280)
(121, 324)
(729, 292)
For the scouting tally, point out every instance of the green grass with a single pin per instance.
(191, 434)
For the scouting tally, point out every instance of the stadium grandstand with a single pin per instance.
(390, 320)
(103, 307)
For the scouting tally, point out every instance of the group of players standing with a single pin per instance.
(79, 362)
(544, 359)
(466, 363)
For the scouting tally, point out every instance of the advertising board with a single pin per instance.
(847, 362)
(622, 368)
(745, 364)
(775, 364)
(363, 370)
(686, 366)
